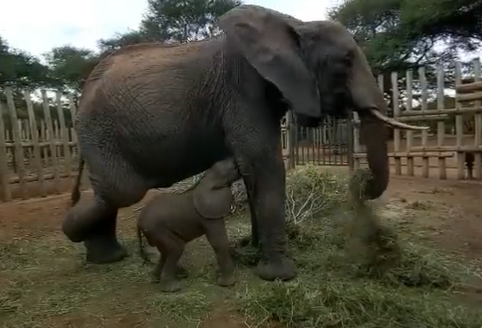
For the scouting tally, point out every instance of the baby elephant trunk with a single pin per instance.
(212, 197)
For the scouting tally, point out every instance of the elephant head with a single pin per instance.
(212, 196)
(320, 71)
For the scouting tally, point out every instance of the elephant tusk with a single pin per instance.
(395, 123)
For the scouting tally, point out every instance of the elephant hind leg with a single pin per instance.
(102, 244)
(95, 223)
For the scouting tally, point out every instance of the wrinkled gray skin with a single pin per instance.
(169, 221)
(151, 115)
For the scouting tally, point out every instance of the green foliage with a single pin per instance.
(399, 34)
(172, 21)
(460, 21)
(183, 21)
(19, 69)
(121, 40)
(70, 66)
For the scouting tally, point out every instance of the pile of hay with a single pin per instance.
(354, 270)
(317, 198)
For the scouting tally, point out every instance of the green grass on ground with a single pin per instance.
(343, 280)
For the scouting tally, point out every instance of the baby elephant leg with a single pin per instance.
(174, 248)
(218, 238)
(156, 272)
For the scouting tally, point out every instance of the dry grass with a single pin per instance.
(345, 279)
(349, 280)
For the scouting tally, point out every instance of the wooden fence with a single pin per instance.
(453, 143)
(37, 145)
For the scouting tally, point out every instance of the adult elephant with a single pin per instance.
(151, 115)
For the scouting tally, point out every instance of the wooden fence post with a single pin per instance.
(289, 140)
(37, 158)
(409, 144)
(396, 115)
(477, 124)
(423, 87)
(52, 141)
(4, 183)
(17, 139)
(442, 169)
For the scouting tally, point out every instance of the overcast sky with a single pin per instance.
(38, 26)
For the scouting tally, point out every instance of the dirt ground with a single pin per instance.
(454, 211)
(42, 216)
(449, 211)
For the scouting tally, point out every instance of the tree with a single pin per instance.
(458, 22)
(172, 21)
(18, 69)
(400, 34)
(183, 21)
(70, 66)
(121, 40)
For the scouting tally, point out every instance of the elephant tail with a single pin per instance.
(75, 195)
(142, 252)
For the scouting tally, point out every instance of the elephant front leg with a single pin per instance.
(156, 272)
(253, 135)
(218, 238)
(168, 279)
(267, 198)
(252, 211)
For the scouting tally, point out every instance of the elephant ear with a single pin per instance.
(211, 202)
(270, 44)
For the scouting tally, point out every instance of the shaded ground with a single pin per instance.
(46, 284)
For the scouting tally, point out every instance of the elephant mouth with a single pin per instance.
(392, 122)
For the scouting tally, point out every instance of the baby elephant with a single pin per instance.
(169, 221)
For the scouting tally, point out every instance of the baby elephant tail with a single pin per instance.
(142, 252)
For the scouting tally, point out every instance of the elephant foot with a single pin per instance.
(227, 280)
(170, 286)
(284, 269)
(103, 250)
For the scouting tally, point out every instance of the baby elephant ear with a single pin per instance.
(270, 44)
(212, 203)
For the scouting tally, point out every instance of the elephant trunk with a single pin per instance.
(367, 99)
(374, 134)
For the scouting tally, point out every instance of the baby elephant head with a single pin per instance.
(213, 196)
